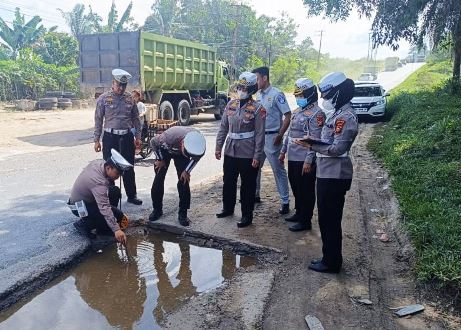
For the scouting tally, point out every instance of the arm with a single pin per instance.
(223, 130)
(345, 132)
(98, 119)
(285, 143)
(136, 121)
(282, 105)
(260, 128)
(102, 199)
(141, 108)
(156, 143)
(315, 129)
(192, 163)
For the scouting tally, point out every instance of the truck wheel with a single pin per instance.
(221, 106)
(184, 113)
(166, 111)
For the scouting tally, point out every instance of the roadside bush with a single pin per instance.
(421, 149)
(29, 77)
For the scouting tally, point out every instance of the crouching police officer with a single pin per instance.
(94, 197)
(243, 123)
(308, 119)
(118, 110)
(185, 145)
(334, 166)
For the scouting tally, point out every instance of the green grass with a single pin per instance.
(421, 148)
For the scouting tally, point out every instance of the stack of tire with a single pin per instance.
(48, 103)
(64, 103)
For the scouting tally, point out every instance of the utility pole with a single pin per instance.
(320, 48)
(234, 41)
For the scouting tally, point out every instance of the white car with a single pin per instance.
(369, 99)
(367, 77)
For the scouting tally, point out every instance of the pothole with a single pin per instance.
(138, 289)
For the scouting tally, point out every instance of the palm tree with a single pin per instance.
(116, 26)
(22, 34)
(81, 23)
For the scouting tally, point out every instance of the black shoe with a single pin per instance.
(300, 227)
(257, 200)
(245, 222)
(322, 268)
(155, 215)
(224, 213)
(293, 218)
(81, 228)
(134, 200)
(316, 261)
(183, 219)
(285, 209)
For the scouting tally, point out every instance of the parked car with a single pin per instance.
(367, 77)
(369, 99)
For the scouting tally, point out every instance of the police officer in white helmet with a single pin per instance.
(243, 124)
(334, 166)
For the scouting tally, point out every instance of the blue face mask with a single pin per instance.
(301, 102)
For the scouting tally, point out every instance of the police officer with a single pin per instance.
(118, 110)
(243, 123)
(308, 119)
(275, 103)
(94, 197)
(185, 145)
(334, 166)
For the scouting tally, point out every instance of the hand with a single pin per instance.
(97, 146)
(282, 157)
(120, 236)
(217, 154)
(278, 139)
(307, 168)
(159, 164)
(185, 177)
(302, 144)
(255, 163)
(137, 143)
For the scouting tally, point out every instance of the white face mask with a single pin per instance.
(242, 95)
(328, 105)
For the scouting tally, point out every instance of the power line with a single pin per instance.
(44, 18)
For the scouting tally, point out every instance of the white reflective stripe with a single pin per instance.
(116, 131)
(191, 165)
(72, 207)
(319, 155)
(240, 136)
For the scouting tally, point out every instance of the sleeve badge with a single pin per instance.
(339, 125)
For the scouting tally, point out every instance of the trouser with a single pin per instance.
(95, 220)
(303, 187)
(330, 203)
(233, 167)
(272, 154)
(124, 144)
(157, 190)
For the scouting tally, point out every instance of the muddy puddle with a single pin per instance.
(110, 290)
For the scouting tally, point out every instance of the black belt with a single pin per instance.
(271, 132)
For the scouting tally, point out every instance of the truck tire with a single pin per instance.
(183, 113)
(166, 111)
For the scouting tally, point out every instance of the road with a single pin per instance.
(42, 154)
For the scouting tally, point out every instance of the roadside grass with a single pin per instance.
(421, 148)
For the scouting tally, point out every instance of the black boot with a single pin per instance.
(182, 218)
(245, 221)
(258, 200)
(322, 268)
(285, 209)
(224, 213)
(155, 215)
(134, 200)
(300, 227)
(293, 218)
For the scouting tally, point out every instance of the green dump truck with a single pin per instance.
(183, 78)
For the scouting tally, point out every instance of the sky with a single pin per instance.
(342, 39)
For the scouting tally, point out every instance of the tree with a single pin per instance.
(58, 48)
(126, 22)
(397, 19)
(23, 34)
(79, 22)
(164, 13)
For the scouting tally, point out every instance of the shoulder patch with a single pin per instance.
(250, 106)
(307, 113)
(320, 120)
(262, 112)
(339, 125)
(281, 99)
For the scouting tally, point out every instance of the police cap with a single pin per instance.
(121, 76)
(117, 160)
(194, 144)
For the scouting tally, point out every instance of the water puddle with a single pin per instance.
(109, 290)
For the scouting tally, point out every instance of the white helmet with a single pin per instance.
(194, 144)
(121, 76)
(330, 81)
(302, 84)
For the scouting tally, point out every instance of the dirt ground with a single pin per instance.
(380, 272)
